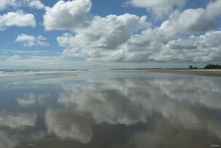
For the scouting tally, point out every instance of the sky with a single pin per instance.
(91, 34)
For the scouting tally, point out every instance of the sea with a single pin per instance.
(108, 109)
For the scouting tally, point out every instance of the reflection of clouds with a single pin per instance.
(196, 90)
(166, 135)
(10, 137)
(30, 99)
(132, 100)
(7, 140)
(68, 125)
(17, 120)
(105, 105)
(14, 139)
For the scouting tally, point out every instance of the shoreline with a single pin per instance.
(204, 72)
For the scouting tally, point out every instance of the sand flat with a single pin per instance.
(110, 109)
(205, 72)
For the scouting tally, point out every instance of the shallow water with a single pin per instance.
(112, 109)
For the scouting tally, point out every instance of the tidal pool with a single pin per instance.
(110, 109)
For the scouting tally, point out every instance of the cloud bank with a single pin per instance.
(169, 32)
(115, 38)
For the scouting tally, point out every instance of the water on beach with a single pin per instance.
(109, 109)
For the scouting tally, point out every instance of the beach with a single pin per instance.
(109, 109)
(205, 72)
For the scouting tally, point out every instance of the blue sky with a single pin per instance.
(107, 34)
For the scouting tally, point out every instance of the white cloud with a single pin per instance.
(192, 20)
(4, 4)
(160, 7)
(36, 4)
(213, 8)
(116, 30)
(18, 18)
(189, 21)
(202, 49)
(151, 46)
(156, 44)
(135, 48)
(67, 15)
(29, 40)
(127, 37)
(105, 33)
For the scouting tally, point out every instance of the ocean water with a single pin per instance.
(108, 109)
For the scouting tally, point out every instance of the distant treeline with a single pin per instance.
(212, 66)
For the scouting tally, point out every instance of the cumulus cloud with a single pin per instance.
(197, 49)
(105, 33)
(29, 40)
(127, 37)
(152, 45)
(36, 4)
(160, 7)
(192, 20)
(118, 40)
(95, 42)
(67, 15)
(4, 4)
(213, 8)
(189, 21)
(19, 18)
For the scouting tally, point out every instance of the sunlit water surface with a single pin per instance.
(112, 109)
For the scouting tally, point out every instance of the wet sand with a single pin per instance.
(110, 109)
(205, 72)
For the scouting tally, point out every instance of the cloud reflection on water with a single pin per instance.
(189, 102)
(30, 99)
(174, 109)
(17, 120)
(7, 140)
(68, 125)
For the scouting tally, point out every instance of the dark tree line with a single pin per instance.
(212, 66)
(191, 67)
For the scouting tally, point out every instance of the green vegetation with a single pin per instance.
(212, 66)
(191, 67)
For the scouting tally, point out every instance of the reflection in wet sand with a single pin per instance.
(130, 101)
(29, 99)
(120, 110)
(68, 125)
(7, 140)
(17, 120)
